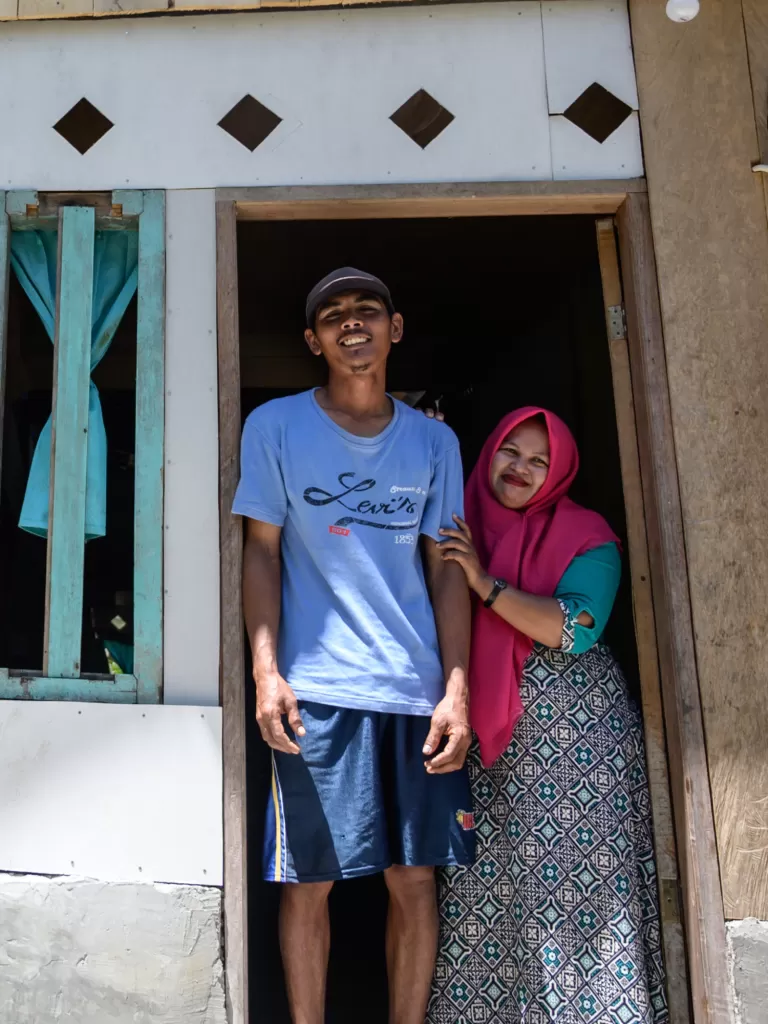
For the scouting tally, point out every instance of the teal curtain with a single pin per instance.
(115, 277)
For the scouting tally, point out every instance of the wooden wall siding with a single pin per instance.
(487, 63)
(150, 427)
(69, 444)
(709, 226)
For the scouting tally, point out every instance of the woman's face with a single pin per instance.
(519, 468)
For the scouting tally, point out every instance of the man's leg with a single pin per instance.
(412, 928)
(305, 938)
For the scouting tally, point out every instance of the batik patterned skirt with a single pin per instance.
(558, 919)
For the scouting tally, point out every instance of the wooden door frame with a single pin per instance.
(627, 202)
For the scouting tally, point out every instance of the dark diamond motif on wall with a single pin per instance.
(422, 118)
(598, 112)
(250, 122)
(83, 126)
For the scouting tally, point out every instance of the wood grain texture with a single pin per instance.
(696, 848)
(756, 28)
(148, 473)
(645, 632)
(232, 631)
(709, 227)
(69, 444)
(480, 199)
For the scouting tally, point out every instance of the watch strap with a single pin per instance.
(498, 586)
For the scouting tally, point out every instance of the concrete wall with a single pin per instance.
(748, 966)
(81, 950)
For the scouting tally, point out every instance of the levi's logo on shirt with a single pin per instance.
(401, 502)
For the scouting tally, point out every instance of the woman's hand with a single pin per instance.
(459, 547)
(434, 414)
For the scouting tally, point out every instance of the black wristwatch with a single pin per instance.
(498, 586)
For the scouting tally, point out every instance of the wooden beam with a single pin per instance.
(69, 444)
(645, 629)
(150, 433)
(5, 265)
(232, 652)
(697, 852)
(483, 199)
(711, 244)
(119, 689)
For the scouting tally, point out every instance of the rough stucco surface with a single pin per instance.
(748, 955)
(73, 950)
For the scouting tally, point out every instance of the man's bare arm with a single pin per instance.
(451, 605)
(261, 606)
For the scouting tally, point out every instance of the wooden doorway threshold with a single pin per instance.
(687, 855)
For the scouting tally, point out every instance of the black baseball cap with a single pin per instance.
(345, 279)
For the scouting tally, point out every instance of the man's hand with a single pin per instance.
(274, 699)
(450, 719)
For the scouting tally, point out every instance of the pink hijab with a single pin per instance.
(530, 548)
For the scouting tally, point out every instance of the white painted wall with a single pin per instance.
(334, 77)
(113, 792)
(191, 554)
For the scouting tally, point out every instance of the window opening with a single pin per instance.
(84, 597)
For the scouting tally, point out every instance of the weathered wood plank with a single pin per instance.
(150, 429)
(69, 444)
(120, 690)
(232, 653)
(709, 230)
(697, 852)
(443, 199)
(645, 629)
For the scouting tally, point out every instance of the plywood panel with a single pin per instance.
(711, 244)
(484, 62)
(577, 155)
(191, 453)
(114, 792)
(696, 849)
(587, 41)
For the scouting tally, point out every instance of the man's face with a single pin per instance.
(354, 331)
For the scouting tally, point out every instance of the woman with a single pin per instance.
(558, 919)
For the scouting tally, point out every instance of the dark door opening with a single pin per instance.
(499, 312)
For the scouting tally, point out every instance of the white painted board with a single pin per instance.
(114, 792)
(191, 550)
(576, 156)
(587, 41)
(334, 77)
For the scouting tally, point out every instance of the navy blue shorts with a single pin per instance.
(358, 800)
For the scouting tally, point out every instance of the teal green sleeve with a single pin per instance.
(589, 584)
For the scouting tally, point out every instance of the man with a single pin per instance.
(360, 680)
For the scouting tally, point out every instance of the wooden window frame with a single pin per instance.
(661, 599)
(76, 216)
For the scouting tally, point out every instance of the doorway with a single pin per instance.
(552, 292)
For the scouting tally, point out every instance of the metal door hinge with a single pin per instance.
(617, 323)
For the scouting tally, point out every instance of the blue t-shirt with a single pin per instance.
(356, 625)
